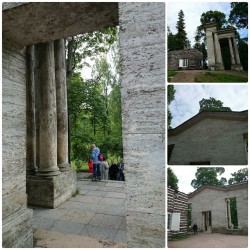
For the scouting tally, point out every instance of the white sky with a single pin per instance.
(187, 97)
(186, 174)
(192, 14)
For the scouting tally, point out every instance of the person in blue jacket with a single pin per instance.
(96, 163)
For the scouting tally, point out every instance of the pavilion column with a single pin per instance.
(237, 57)
(47, 113)
(231, 51)
(31, 167)
(219, 63)
(61, 103)
(229, 213)
(210, 48)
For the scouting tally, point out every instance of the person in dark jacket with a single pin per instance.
(113, 170)
(195, 228)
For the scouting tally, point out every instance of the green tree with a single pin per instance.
(200, 45)
(171, 96)
(212, 104)
(239, 14)
(213, 17)
(171, 40)
(94, 104)
(88, 45)
(243, 52)
(181, 35)
(172, 180)
(208, 176)
(239, 176)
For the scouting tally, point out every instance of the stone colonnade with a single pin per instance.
(47, 116)
(213, 36)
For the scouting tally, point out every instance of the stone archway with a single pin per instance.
(142, 41)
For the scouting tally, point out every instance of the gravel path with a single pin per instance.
(211, 240)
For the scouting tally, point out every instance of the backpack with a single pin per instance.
(100, 157)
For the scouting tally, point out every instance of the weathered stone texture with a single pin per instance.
(217, 140)
(51, 191)
(42, 22)
(194, 57)
(213, 199)
(142, 40)
(16, 217)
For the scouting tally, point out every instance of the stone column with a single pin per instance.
(231, 51)
(229, 213)
(31, 167)
(219, 63)
(61, 103)
(48, 117)
(210, 49)
(237, 57)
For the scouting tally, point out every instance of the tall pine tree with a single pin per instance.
(181, 36)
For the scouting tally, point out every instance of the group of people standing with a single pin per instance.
(102, 170)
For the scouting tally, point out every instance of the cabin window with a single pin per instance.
(183, 63)
(174, 221)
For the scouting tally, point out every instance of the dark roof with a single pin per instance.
(224, 115)
(219, 188)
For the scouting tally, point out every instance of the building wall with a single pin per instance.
(214, 201)
(216, 140)
(178, 203)
(142, 39)
(194, 58)
(17, 219)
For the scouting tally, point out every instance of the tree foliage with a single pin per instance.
(205, 175)
(239, 14)
(212, 104)
(94, 104)
(239, 176)
(179, 40)
(213, 17)
(243, 52)
(171, 95)
(172, 180)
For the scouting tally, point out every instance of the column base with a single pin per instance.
(237, 67)
(64, 167)
(48, 172)
(219, 66)
(51, 191)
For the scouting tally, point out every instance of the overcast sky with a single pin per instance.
(186, 174)
(187, 97)
(192, 14)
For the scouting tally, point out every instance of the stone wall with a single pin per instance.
(17, 219)
(194, 59)
(214, 140)
(178, 203)
(213, 199)
(142, 39)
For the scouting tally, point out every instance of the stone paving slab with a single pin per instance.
(104, 220)
(97, 212)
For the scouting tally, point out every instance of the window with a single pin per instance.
(183, 63)
(174, 221)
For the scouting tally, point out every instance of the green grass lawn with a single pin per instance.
(171, 73)
(219, 77)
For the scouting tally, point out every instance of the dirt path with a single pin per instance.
(186, 76)
(212, 240)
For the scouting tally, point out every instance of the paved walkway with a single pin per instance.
(94, 218)
(211, 240)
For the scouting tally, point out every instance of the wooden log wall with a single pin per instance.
(178, 203)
